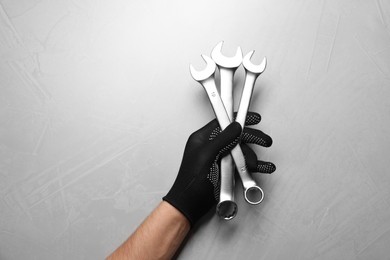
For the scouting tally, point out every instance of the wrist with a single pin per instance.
(192, 203)
(178, 218)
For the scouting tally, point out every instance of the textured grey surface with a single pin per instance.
(96, 104)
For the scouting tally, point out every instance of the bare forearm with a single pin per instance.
(158, 237)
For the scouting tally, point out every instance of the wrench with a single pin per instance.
(227, 207)
(252, 71)
(253, 194)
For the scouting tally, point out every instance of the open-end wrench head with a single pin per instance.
(249, 66)
(205, 73)
(224, 61)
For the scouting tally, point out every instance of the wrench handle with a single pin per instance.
(253, 193)
(216, 102)
(246, 96)
(227, 90)
(237, 154)
(227, 208)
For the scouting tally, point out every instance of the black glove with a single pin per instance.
(254, 136)
(196, 188)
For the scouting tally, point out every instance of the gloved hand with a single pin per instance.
(196, 188)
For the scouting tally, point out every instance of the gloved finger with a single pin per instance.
(265, 167)
(210, 130)
(250, 157)
(224, 141)
(252, 118)
(205, 134)
(210, 127)
(213, 128)
(255, 165)
(254, 136)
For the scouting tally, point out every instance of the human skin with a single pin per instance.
(158, 237)
(193, 192)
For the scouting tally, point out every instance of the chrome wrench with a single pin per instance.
(253, 194)
(252, 71)
(227, 207)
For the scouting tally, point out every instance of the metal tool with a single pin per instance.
(227, 207)
(252, 71)
(253, 194)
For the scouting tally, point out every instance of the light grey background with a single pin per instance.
(96, 104)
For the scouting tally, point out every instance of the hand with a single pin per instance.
(196, 188)
(193, 190)
(254, 136)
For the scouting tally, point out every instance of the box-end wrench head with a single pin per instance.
(227, 207)
(253, 194)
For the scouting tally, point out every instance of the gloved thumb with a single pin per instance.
(226, 140)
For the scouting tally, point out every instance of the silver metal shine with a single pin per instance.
(252, 71)
(227, 207)
(253, 194)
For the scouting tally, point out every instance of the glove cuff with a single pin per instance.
(183, 210)
(190, 204)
